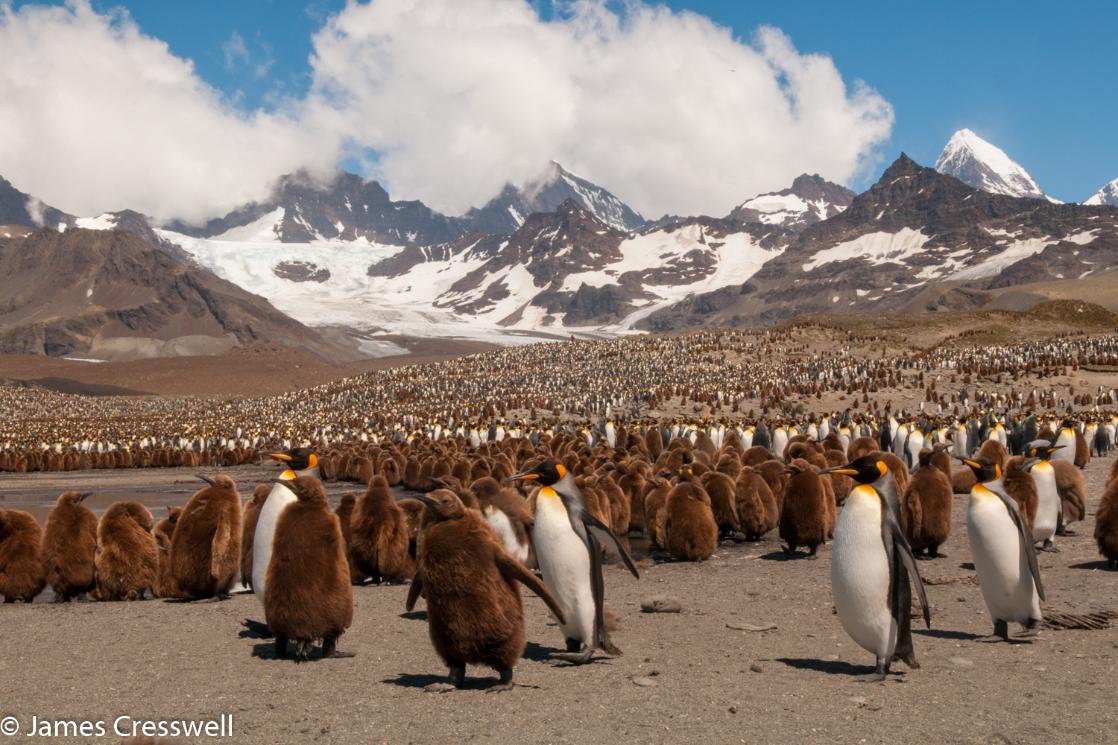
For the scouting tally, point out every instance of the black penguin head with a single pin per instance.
(547, 473)
(1041, 449)
(297, 459)
(984, 469)
(864, 470)
(443, 504)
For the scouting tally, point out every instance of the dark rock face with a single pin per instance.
(301, 271)
(16, 208)
(345, 208)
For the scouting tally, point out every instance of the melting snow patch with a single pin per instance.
(101, 222)
(876, 248)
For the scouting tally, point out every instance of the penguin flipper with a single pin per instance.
(605, 537)
(896, 546)
(1027, 545)
(218, 550)
(414, 590)
(513, 570)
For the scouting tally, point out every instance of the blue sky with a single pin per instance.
(1036, 79)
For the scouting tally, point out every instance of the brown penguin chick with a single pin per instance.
(619, 506)
(1082, 451)
(941, 458)
(690, 532)
(756, 506)
(21, 556)
(165, 586)
(250, 515)
(963, 480)
(1019, 485)
(776, 476)
(344, 512)
(1106, 524)
(655, 500)
(206, 545)
(723, 501)
(1073, 494)
(379, 536)
(898, 470)
(413, 515)
(69, 547)
(307, 593)
(803, 514)
(993, 451)
(475, 614)
(841, 484)
(926, 508)
(127, 556)
(632, 483)
(860, 447)
(756, 455)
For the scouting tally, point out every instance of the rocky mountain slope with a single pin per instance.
(109, 294)
(17, 208)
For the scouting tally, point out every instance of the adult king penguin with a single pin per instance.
(872, 565)
(299, 462)
(1003, 553)
(568, 541)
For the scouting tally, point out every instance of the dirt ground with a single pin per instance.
(685, 677)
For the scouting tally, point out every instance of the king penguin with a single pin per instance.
(568, 541)
(299, 462)
(1003, 553)
(872, 567)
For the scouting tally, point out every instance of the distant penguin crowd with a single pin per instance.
(539, 465)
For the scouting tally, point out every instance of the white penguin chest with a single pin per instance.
(1048, 502)
(278, 498)
(1000, 559)
(860, 572)
(564, 563)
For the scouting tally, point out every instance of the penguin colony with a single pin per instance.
(557, 494)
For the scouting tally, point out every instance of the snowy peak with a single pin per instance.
(506, 212)
(978, 163)
(809, 200)
(1106, 196)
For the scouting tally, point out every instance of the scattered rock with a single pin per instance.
(858, 700)
(438, 687)
(756, 668)
(661, 604)
(733, 710)
(644, 682)
(961, 662)
(751, 627)
(1040, 669)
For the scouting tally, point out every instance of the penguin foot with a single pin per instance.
(281, 647)
(457, 675)
(576, 658)
(1032, 628)
(1048, 548)
(302, 651)
(878, 675)
(505, 683)
(1001, 633)
(330, 650)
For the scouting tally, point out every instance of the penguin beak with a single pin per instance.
(840, 470)
(207, 479)
(84, 496)
(525, 476)
(427, 500)
(280, 456)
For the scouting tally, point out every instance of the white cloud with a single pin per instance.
(96, 116)
(666, 109)
(448, 100)
(235, 51)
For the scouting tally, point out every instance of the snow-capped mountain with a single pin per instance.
(915, 241)
(508, 210)
(1107, 195)
(809, 200)
(977, 163)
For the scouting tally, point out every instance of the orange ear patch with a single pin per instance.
(561, 470)
(882, 467)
